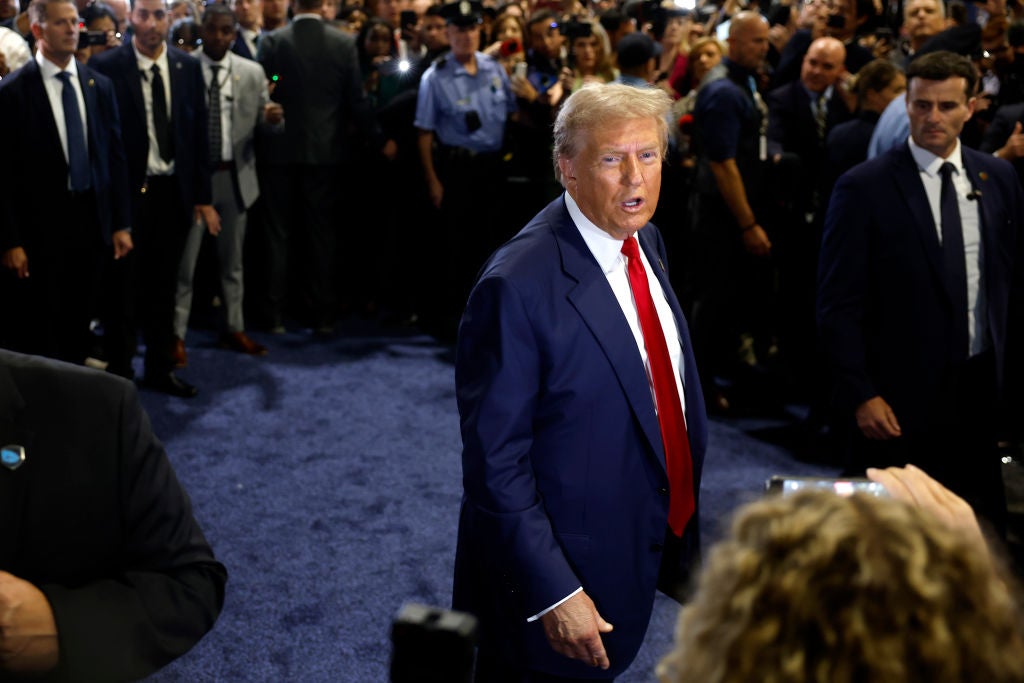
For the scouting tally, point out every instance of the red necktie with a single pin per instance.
(678, 462)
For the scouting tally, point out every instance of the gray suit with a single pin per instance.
(234, 190)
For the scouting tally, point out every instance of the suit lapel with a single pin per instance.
(92, 113)
(39, 104)
(176, 72)
(909, 185)
(134, 82)
(593, 299)
(12, 483)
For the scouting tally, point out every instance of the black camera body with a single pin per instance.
(432, 645)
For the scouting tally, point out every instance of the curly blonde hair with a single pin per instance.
(817, 588)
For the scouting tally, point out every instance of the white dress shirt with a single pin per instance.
(155, 165)
(55, 92)
(928, 166)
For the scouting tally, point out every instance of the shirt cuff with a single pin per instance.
(538, 615)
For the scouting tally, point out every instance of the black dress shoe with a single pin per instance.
(169, 384)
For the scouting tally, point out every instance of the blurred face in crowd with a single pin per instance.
(8, 9)
(100, 23)
(878, 100)
(391, 10)
(822, 64)
(120, 8)
(545, 39)
(707, 58)
(57, 36)
(217, 32)
(616, 175)
(748, 42)
(150, 20)
(464, 40)
(847, 9)
(938, 111)
(329, 10)
(180, 10)
(922, 19)
(813, 14)
(378, 41)
(675, 31)
(508, 29)
(586, 52)
(433, 33)
(275, 14)
(249, 13)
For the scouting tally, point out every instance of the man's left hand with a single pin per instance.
(207, 214)
(123, 244)
(28, 632)
(574, 629)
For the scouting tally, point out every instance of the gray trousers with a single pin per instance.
(229, 256)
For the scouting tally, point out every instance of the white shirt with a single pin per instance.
(928, 166)
(607, 250)
(226, 95)
(249, 36)
(55, 92)
(155, 165)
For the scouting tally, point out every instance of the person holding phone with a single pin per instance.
(818, 588)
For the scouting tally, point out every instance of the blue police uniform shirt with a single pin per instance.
(722, 111)
(448, 92)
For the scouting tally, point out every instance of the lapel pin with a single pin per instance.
(92, 83)
(983, 175)
(177, 65)
(12, 457)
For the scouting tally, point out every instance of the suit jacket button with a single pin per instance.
(663, 491)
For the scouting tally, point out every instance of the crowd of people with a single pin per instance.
(861, 246)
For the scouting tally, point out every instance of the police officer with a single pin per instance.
(464, 101)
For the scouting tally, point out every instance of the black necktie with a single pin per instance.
(78, 157)
(161, 123)
(214, 128)
(954, 261)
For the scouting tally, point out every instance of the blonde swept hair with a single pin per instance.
(818, 588)
(597, 104)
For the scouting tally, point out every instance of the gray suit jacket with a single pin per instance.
(249, 96)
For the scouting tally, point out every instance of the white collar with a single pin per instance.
(605, 248)
(930, 163)
(49, 70)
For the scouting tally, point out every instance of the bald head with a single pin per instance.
(748, 39)
(823, 64)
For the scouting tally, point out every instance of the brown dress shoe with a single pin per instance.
(178, 354)
(240, 341)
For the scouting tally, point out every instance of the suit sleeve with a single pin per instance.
(170, 590)
(842, 283)
(498, 380)
(120, 189)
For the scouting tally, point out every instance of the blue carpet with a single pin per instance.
(327, 479)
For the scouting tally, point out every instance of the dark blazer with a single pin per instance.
(792, 129)
(884, 314)
(563, 463)
(188, 121)
(1000, 130)
(321, 90)
(96, 518)
(41, 172)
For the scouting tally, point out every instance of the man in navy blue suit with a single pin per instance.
(574, 371)
(162, 100)
(921, 295)
(66, 205)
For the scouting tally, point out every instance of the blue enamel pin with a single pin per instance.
(12, 457)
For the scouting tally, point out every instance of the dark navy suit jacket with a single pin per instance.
(884, 313)
(563, 463)
(188, 122)
(42, 168)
